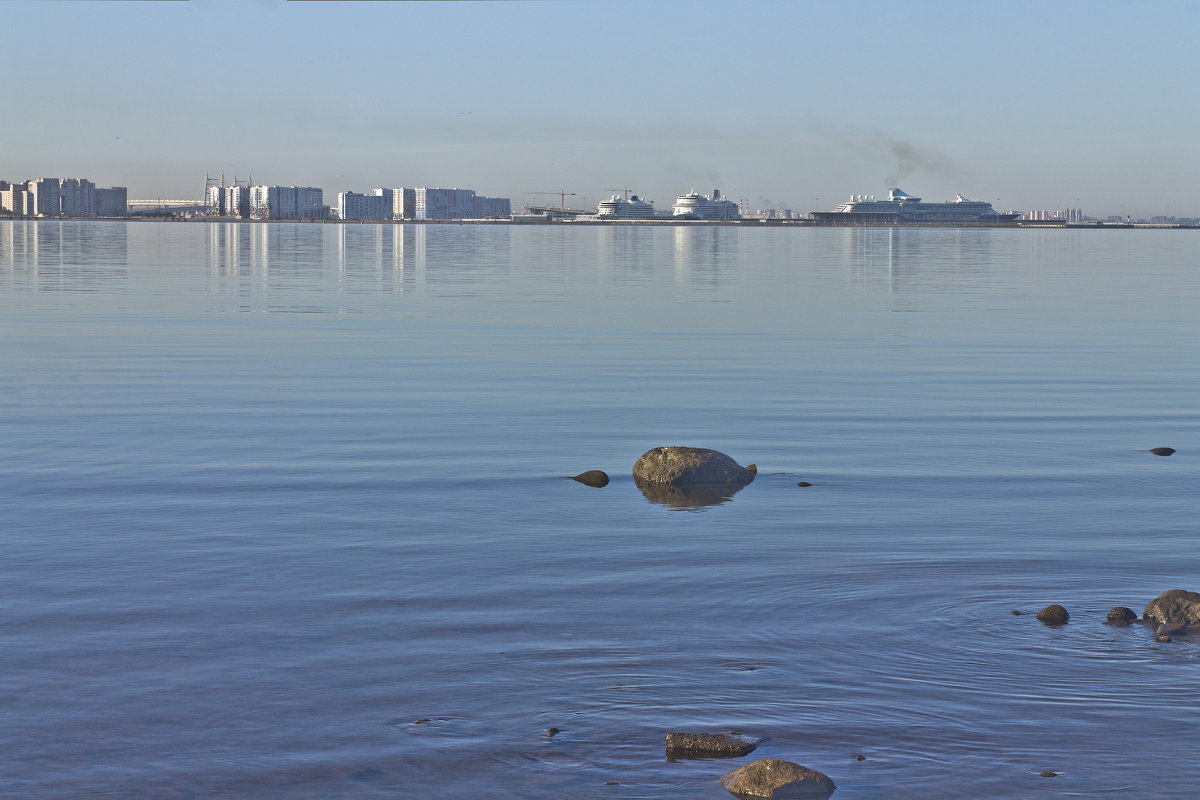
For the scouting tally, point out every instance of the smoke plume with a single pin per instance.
(912, 160)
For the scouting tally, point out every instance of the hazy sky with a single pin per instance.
(787, 103)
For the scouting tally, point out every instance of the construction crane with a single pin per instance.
(562, 197)
(626, 190)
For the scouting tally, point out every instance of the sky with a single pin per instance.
(781, 103)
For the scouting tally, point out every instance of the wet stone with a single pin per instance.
(1162, 451)
(593, 477)
(1175, 605)
(775, 779)
(1053, 615)
(708, 745)
(691, 466)
(1170, 629)
(1120, 615)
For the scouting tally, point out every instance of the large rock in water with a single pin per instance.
(691, 466)
(1176, 605)
(778, 780)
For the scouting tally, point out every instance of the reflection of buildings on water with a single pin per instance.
(703, 251)
(379, 258)
(63, 255)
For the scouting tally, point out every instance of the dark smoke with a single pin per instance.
(912, 160)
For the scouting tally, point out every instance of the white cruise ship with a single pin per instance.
(901, 208)
(714, 207)
(619, 208)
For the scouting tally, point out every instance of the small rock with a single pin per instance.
(1054, 615)
(773, 778)
(1120, 615)
(1015, 613)
(708, 745)
(421, 721)
(1162, 451)
(611, 783)
(1176, 605)
(1048, 774)
(860, 757)
(593, 477)
(804, 483)
(552, 731)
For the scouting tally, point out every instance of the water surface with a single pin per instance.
(286, 511)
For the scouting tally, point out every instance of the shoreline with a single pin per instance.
(664, 222)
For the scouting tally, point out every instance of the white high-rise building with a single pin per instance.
(286, 202)
(76, 197)
(352, 205)
(236, 201)
(457, 204)
(112, 202)
(66, 197)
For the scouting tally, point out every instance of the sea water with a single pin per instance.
(286, 509)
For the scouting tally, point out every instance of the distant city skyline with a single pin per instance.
(788, 105)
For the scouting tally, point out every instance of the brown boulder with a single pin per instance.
(1120, 615)
(1054, 615)
(691, 466)
(777, 780)
(1176, 605)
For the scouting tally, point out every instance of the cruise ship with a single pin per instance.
(618, 207)
(713, 207)
(901, 208)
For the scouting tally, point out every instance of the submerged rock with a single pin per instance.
(691, 466)
(1053, 615)
(772, 778)
(1175, 605)
(708, 745)
(1120, 615)
(1165, 631)
(1162, 451)
(593, 477)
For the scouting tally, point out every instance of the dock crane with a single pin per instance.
(626, 190)
(562, 197)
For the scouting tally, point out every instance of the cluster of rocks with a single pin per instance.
(767, 778)
(1169, 614)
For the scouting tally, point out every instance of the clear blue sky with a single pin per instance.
(1028, 104)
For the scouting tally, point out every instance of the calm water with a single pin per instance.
(271, 494)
